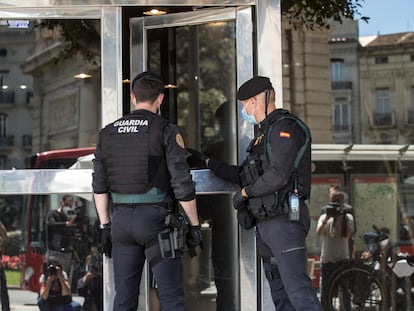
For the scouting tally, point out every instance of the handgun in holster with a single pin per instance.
(172, 238)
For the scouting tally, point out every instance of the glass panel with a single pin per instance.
(40, 88)
(203, 104)
(43, 106)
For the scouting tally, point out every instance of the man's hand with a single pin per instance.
(239, 200)
(196, 159)
(194, 239)
(106, 241)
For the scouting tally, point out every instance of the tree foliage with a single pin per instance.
(315, 14)
(80, 37)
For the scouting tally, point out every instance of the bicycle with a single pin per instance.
(364, 284)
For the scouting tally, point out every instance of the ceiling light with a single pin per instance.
(82, 76)
(4, 87)
(155, 12)
(23, 87)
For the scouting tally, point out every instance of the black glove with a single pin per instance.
(106, 241)
(239, 200)
(196, 159)
(245, 219)
(193, 239)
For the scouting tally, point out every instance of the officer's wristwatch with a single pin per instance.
(105, 226)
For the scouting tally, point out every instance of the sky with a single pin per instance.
(386, 17)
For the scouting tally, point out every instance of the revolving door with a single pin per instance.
(199, 55)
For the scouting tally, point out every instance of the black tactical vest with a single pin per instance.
(133, 148)
(258, 161)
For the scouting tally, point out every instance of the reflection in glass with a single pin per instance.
(204, 107)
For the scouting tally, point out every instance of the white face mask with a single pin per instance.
(249, 118)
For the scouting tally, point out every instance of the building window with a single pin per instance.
(381, 60)
(412, 57)
(383, 100)
(410, 114)
(337, 69)
(3, 123)
(341, 114)
(382, 115)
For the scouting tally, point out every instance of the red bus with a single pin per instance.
(35, 210)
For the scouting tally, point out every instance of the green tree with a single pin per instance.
(313, 14)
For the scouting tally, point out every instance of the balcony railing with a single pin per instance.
(6, 141)
(341, 127)
(383, 119)
(341, 85)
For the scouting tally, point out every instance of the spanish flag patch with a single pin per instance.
(284, 134)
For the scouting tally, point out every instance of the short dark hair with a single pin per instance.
(146, 86)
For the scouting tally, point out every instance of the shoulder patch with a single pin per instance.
(284, 134)
(179, 140)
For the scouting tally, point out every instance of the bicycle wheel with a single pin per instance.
(355, 288)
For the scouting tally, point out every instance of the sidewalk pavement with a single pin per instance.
(24, 300)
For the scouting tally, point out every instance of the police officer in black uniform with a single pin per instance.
(275, 181)
(139, 171)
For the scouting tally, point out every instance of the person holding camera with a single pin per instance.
(90, 285)
(335, 226)
(55, 294)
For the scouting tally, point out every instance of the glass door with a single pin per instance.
(200, 56)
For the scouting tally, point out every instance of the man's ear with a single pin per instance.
(160, 98)
(133, 99)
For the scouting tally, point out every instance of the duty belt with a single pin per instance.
(167, 205)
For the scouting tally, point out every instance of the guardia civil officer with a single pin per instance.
(275, 181)
(139, 170)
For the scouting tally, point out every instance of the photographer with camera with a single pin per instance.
(90, 285)
(55, 294)
(336, 226)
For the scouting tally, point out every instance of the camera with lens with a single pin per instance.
(95, 264)
(52, 269)
(334, 210)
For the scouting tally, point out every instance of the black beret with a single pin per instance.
(147, 75)
(253, 87)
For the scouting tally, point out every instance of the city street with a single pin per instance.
(23, 300)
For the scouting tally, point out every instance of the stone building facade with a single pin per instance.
(387, 89)
(306, 82)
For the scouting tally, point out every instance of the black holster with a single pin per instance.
(172, 238)
(268, 206)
